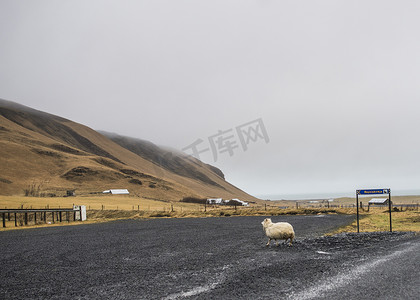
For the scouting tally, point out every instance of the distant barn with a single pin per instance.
(238, 202)
(117, 192)
(378, 201)
(218, 201)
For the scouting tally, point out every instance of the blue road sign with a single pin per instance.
(373, 192)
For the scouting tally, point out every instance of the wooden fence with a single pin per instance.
(26, 216)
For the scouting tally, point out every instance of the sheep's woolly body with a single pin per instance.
(278, 231)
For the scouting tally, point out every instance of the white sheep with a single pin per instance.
(278, 231)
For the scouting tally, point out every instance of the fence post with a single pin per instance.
(35, 217)
(4, 219)
(15, 220)
(26, 218)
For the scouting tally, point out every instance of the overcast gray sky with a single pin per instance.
(335, 83)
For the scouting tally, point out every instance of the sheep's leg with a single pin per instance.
(277, 243)
(268, 243)
(290, 243)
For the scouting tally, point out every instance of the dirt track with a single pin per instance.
(212, 258)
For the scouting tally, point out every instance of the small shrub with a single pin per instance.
(194, 200)
(136, 181)
(33, 190)
(160, 215)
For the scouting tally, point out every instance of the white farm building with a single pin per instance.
(378, 201)
(117, 192)
(218, 201)
(241, 202)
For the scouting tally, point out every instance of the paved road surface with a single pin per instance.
(211, 258)
(392, 274)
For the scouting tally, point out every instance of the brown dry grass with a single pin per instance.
(378, 220)
(99, 202)
(347, 201)
(131, 207)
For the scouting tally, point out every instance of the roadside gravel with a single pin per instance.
(207, 258)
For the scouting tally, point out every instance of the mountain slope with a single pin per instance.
(51, 154)
(170, 160)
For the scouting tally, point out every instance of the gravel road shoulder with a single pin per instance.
(208, 258)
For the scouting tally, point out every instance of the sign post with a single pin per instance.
(357, 207)
(390, 209)
(374, 192)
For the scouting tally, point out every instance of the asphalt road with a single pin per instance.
(209, 258)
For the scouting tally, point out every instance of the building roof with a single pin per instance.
(215, 200)
(240, 201)
(378, 200)
(117, 192)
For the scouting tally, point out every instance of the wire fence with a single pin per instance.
(177, 206)
(46, 215)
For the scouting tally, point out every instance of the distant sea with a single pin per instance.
(315, 196)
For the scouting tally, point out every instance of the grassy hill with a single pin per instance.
(43, 154)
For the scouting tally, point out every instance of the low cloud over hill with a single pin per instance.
(48, 155)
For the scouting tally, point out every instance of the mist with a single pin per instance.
(329, 89)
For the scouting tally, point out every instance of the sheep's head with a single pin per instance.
(266, 222)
